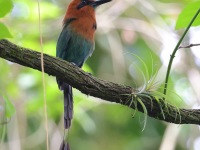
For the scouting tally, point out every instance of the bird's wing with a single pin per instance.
(64, 39)
(63, 43)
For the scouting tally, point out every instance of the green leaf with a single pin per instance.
(6, 7)
(9, 107)
(4, 32)
(187, 14)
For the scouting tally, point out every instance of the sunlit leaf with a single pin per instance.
(4, 32)
(187, 14)
(6, 7)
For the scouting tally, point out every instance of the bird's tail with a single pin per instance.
(64, 146)
(68, 103)
(68, 110)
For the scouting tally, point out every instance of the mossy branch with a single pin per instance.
(93, 86)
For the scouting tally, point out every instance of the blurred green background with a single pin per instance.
(126, 29)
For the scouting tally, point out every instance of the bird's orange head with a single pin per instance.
(83, 15)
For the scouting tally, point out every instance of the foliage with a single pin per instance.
(4, 32)
(187, 14)
(8, 5)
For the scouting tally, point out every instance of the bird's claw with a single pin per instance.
(73, 63)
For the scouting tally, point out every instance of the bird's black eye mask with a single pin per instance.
(83, 3)
(94, 4)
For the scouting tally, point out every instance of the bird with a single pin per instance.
(75, 44)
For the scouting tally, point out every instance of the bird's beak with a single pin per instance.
(98, 3)
(94, 4)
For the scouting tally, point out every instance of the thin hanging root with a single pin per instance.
(160, 96)
(43, 78)
(179, 114)
(134, 101)
(162, 112)
(135, 98)
(127, 101)
(147, 95)
(145, 112)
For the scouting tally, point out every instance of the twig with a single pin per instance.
(189, 46)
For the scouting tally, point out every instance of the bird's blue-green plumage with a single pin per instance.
(72, 47)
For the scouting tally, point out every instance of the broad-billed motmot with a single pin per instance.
(76, 43)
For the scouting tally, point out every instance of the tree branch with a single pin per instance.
(93, 86)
